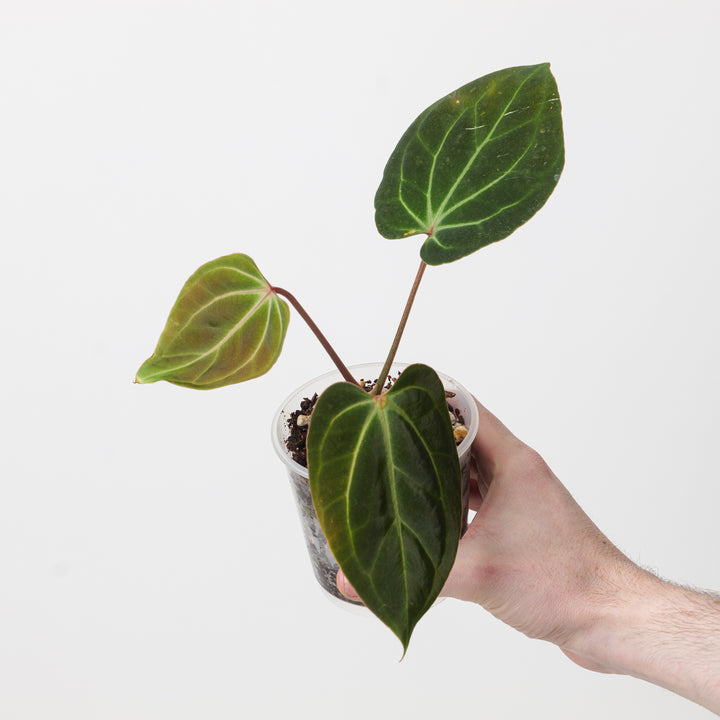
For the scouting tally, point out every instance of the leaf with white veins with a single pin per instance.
(385, 481)
(227, 325)
(475, 165)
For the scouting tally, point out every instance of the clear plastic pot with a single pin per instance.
(323, 563)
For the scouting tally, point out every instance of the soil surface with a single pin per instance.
(299, 422)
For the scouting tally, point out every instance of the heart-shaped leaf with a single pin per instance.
(227, 325)
(476, 165)
(385, 482)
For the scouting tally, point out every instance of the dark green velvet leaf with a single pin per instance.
(227, 325)
(385, 481)
(476, 165)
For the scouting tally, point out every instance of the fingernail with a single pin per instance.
(345, 587)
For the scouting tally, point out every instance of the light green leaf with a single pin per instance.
(476, 165)
(227, 325)
(385, 482)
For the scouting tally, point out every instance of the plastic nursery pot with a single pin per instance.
(324, 565)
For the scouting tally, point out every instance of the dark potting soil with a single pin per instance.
(296, 441)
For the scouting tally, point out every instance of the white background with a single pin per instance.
(151, 562)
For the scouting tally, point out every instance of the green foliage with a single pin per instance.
(385, 481)
(227, 325)
(475, 165)
(384, 470)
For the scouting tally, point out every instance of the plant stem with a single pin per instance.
(403, 320)
(316, 330)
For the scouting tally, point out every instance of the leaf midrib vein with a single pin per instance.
(396, 511)
(478, 150)
(223, 340)
(500, 178)
(215, 299)
(273, 307)
(436, 240)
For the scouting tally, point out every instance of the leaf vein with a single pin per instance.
(478, 150)
(221, 342)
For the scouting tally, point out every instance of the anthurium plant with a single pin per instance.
(383, 468)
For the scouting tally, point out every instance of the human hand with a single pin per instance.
(530, 556)
(535, 560)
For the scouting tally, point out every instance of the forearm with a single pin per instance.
(536, 561)
(659, 632)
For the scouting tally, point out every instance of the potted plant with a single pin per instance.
(384, 473)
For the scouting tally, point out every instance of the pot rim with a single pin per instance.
(321, 382)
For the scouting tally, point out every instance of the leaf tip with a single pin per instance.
(142, 377)
(403, 635)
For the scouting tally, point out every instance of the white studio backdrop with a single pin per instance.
(151, 563)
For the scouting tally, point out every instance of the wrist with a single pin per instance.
(645, 627)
